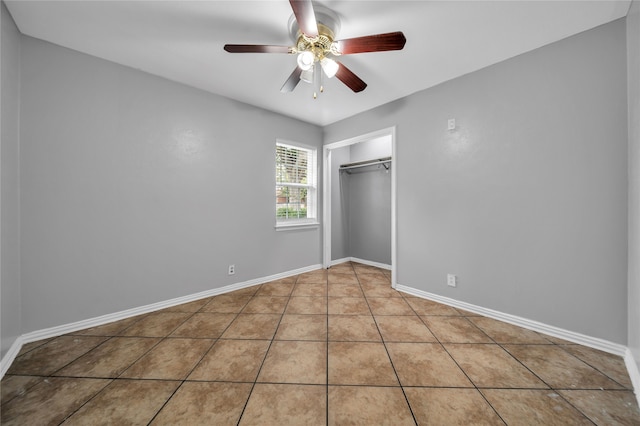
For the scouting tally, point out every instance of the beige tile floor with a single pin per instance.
(326, 347)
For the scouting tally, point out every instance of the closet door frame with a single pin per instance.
(326, 194)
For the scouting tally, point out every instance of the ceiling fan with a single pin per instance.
(314, 32)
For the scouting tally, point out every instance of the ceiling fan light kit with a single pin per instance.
(314, 31)
(306, 60)
(329, 66)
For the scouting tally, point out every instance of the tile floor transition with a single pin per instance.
(327, 347)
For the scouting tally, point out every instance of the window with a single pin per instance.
(296, 192)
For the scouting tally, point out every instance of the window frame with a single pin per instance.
(312, 187)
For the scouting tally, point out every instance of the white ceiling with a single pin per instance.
(183, 40)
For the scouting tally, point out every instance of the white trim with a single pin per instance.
(394, 206)
(295, 145)
(326, 207)
(361, 138)
(634, 374)
(296, 185)
(363, 261)
(312, 195)
(326, 194)
(339, 261)
(592, 342)
(295, 225)
(372, 263)
(11, 354)
(108, 318)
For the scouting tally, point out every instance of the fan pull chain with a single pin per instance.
(317, 80)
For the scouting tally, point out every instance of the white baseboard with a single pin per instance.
(634, 374)
(363, 261)
(339, 261)
(592, 342)
(11, 354)
(46, 333)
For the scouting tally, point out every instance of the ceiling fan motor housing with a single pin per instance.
(328, 27)
(321, 46)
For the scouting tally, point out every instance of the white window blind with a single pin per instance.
(295, 184)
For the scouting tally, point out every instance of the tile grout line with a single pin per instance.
(500, 345)
(543, 381)
(457, 364)
(113, 379)
(51, 374)
(326, 295)
(495, 342)
(255, 381)
(119, 376)
(395, 371)
(215, 340)
(594, 367)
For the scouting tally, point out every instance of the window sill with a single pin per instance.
(295, 226)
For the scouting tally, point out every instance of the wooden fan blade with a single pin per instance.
(352, 81)
(372, 43)
(306, 17)
(256, 48)
(292, 81)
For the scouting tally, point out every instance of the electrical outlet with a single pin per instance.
(452, 280)
(232, 269)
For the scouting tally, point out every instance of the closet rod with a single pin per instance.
(365, 163)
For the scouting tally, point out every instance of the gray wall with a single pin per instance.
(633, 99)
(380, 147)
(136, 189)
(10, 194)
(527, 200)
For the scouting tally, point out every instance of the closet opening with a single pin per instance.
(359, 201)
